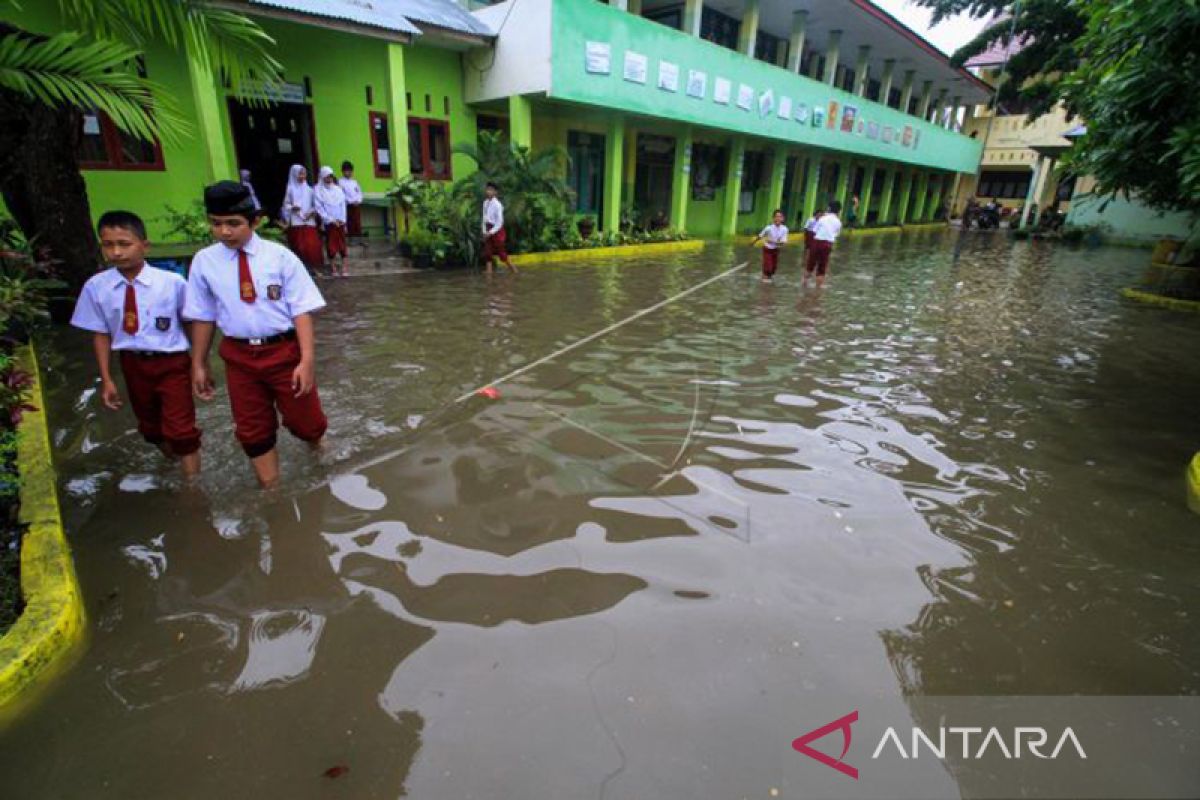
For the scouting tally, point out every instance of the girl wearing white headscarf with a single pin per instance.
(330, 203)
(300, 217)
(245, 176)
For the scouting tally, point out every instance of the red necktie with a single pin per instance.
(129, 322)
(244, 281)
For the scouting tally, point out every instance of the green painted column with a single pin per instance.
(906, 182)
(939, 106)
(397, 104)
(885, 80)
(926, 99)
(906, 89)
(885, 195)
(841, 192)
(864, 204)
(693, 10)
(922, 196)
(861, 69)
(621, 4)
(219, 163)
(635, 7)
(520, 120)
(614, 160)
(796, 43)
(935, 199)
(779, 158)
(681, 181)
(733, 186)
(811, 186)
(831, 56)
(748, 34)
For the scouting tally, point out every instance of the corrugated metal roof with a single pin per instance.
(401, 16)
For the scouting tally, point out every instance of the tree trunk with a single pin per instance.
(43, 188)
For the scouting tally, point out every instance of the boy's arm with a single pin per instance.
(304, 376)
(202, 336)
(102, 347)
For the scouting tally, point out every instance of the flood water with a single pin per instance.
(627, 575)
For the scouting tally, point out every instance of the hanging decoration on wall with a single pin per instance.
(889, 134)
(785, 108)
(802, 113)
(906, 141)
(766, 103)
(745, 98)
(599, 58)
(818, 117)
(872, 130)
(849, 115)
(636, 66)
(916, 138)
(721, 91)
(697, 84)
(832, 119)
(668, 76)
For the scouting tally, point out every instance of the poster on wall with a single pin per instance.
(861, 129)
(721, 91)
(888, 134)
(872, 130)
(635, 67)
(849, 115)
(745, 99)
(599, 58)
(832, 119)
(906, 141)
(785, 108)
(668, 76)
(697, 85)
(802, 113)
(818, 117)
(766, 103)
(916, 138)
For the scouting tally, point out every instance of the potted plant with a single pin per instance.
(586, 226)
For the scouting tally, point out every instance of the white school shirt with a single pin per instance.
(297, 196)
(774, 235)
(827, 229)
(330, 202)
(353, 192)
(283, 287)
(493, 216)
(160, 297)
(811, 225)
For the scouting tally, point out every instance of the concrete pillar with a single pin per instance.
(693, 10)
(841, 192)
(748, 35)
(635, 7)
(733, 186)
(621, 4)
(885, 81)
(681, 181)
(955, 104)
(860, 70)
(906, 182)
(939, 107)
(218, 157)
(885, 196)
(781, 55)
(397, 105)
(796, 43)
(1031, 195)
(614, 159)
(926, 98)
(906, 89)
(935, 199)
(629, 168)
(814, 62)
(918, 214)
(520, 121)
(779, 156)
(868, 189)
(831, 56)
(811, 186)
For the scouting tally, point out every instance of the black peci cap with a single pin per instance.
(229, 197)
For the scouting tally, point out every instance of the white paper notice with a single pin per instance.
(745, 99)
(599, 58)
(721, 91)
(697, 85)
(285, 145)
(785, 108)
(635, 67)
(668, 76)
(766, 103)
(384, 157)
(91, 125)
(801, 113)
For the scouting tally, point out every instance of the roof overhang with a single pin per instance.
(400, 31)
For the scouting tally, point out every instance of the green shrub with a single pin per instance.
(187, 225)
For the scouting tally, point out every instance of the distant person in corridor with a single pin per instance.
(299, 216)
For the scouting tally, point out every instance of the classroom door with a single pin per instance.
(653, 176)
(268, 140)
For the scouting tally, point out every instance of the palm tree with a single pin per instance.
(48, 82)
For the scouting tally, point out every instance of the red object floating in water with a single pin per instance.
(336, 772)
(490, 392)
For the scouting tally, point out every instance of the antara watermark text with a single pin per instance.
(978, 742)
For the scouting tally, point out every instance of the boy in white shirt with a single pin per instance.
(263, 300)
(774, 236)
(494, 238)
(354, 198)
(825, 233)
(135, 309)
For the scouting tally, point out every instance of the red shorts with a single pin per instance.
(335, 241)
(160, 393)
(818, 256)
(305, 242)
(495, 246)
(354, 219)
(260, 381)
(808, 239)
(770, 261)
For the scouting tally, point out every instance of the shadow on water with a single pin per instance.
(628, 576)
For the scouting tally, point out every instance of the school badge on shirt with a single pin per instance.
(162, 323)
(274, 291)
(131, 320)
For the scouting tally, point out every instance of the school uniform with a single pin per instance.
(495, 241)
(143, 318)
(827, 229)
(773, 236)
(330, 203)
(354, 199)
(809, 227)
(300, 215)
(254, 295)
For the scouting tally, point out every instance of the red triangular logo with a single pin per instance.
(843, 724)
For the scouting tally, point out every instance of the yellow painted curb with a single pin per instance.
(52, 625)
(650, 248)
(925, 226)
(1193, 482)
(872, 231)
(1169, 303)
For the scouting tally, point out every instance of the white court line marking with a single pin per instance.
(598, 334)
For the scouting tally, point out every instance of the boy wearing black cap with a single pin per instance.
(262, 298)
